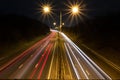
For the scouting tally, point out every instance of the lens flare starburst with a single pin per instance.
(46, 10)
(75, 10)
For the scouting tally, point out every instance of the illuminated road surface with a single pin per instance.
(54, 57)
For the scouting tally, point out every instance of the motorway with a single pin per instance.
(54, 57)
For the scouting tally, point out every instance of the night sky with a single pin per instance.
(29, 7)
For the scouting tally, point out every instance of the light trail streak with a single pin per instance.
(93, 65)
(27, 64)
(77, 75)
(86, 58)
(39, 62)
(78, 63)
(88, 62)
(19, 57)
(31, 63)
(44, 63)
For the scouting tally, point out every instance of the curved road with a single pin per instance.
(54, 57)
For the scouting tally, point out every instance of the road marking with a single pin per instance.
(34, 71)
(78, 61)
(36, 65)
(26, 52)
(87, 72)
(84, 55)
(44, 63)
(78, 77)
(93, 65)
(20, 66)
(51, 63)
(68, 66)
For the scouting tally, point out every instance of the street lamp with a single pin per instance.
(74, 10)
(46, 9)
(54, 23)
(63, 24)
(60, 20)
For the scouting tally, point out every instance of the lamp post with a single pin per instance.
(60, 20)
(54, 23)
(74, 10)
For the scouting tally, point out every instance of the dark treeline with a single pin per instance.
(103, 29)
(14, 28)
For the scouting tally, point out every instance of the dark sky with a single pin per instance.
(28, 7)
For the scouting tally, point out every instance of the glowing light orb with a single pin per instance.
(46, 9)
(75, 9)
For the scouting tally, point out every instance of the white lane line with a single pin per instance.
(26, 51)
(78, 62)
(68, 67)
(36, 65)
(87, 72)
(20, 66)
(27, 64)
(51, 63)
(77, 75)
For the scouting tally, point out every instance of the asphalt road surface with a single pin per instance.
(54, 57)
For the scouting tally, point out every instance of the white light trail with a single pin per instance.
(77, 75)
(29, 62)
(78, 62)
(87, 59)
